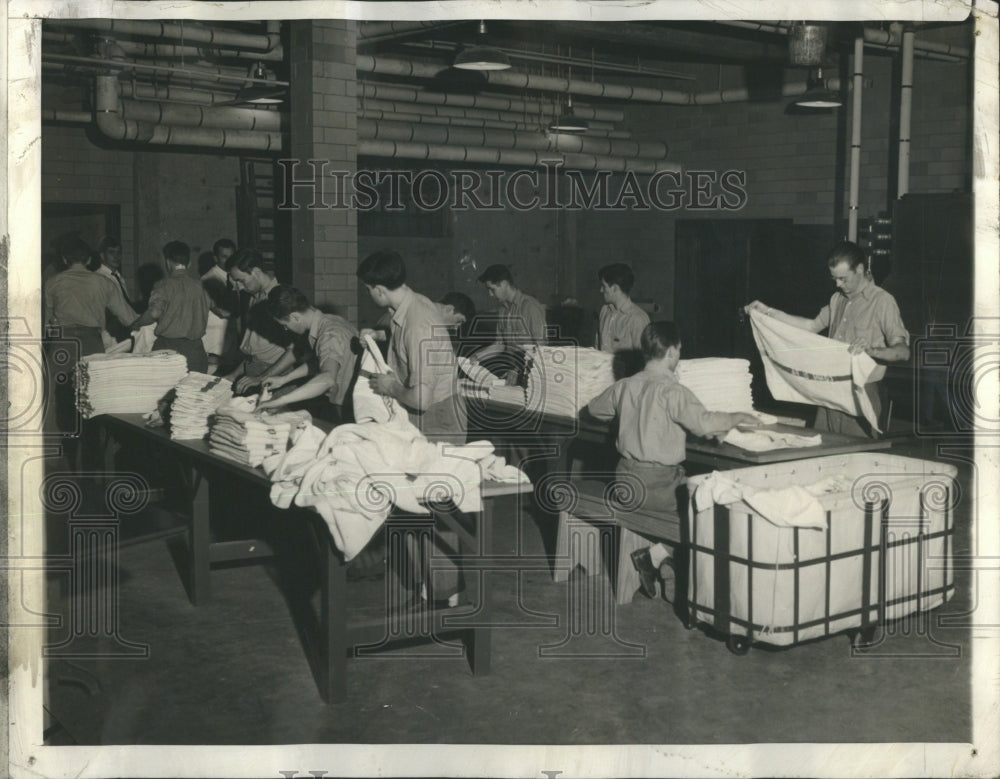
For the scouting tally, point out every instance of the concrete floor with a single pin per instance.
(233, 671)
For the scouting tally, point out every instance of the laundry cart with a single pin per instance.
(879, 546)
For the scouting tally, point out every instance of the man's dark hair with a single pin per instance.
(657, 338)
(177, 252)
(463, 305)
(108, 242)
(246, 260)
(617, 273)
(73, 249)
(283, 300)
(495, 274)
(222, 243)
(849, 252)
(383, 269)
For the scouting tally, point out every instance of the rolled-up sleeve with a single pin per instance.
(689, 413)
(605, 405)
(891, 322)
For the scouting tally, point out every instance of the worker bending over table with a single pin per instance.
(522, 322)
(621, 322)
(423, 378)
(654, 412)
(330, 339)
(862, 314)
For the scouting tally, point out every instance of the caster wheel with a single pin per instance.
(738, 645)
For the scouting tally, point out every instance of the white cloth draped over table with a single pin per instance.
(802, 367)
(354, 475)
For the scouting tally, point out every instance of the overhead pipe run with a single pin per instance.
(233, 118)
(59, 115)
(179, 31)
(507, 139)
(111, 122)
(426, 151)
(513, 105)
(177, 51)
(467, 113)
(406, 68)
(404, 118)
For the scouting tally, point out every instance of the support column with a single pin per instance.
(324, 129)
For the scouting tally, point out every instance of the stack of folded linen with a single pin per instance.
(197, 397)
(479, 375)
(720, 383)
(563, 379)
(238, 432)
(126, 383)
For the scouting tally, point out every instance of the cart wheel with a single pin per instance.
(738, 645)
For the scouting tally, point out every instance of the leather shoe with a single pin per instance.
(647, 573)
(669, 578)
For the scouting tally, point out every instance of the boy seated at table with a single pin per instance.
(655, 412)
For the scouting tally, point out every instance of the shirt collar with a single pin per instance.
(865, 292)
(399, 314)
(261, 296)
(626, 306)
(516, 300)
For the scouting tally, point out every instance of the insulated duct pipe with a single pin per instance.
(196, 116)
(426, 151)
(371, 113)
(172, 94)
(406, 68)
(855, 187)
(58, 115)
(511, 105)
(179, 31)
(176, 51)
(108, 114)
(468, 113)
(506, 139)
(880, 38)
(905, 106)
(368, 32)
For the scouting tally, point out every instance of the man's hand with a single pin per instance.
(742, 419)
(858, 345)
(376, 335)
(273, 382)
(246, 382)
(385, 384)
(266, 404)
(756, 305)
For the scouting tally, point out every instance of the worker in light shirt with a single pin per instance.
(655, 412)
(861, 314)
(621, 321)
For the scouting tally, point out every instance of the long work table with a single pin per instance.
(209, 483)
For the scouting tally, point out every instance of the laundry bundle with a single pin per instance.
(195, 400)
(247, 436)
(563, 379)
(720, 383)
(126, 383)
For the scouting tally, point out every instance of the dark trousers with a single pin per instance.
(193, 351)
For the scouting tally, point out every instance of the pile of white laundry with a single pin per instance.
(196, 399)
(126, 383)
(563, 379)
(247, 436)
(720, 383)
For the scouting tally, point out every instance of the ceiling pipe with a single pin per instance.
(109, 119)
(378, 32)
(59, 115)
(231, 118)
(881, 39)
(506, 78)
(508, 139)
(498, 103)
(468, 113)
(174, 94)
(370, 113)
(179, 31)
(236, 76)
(176, 51)
(455, 153)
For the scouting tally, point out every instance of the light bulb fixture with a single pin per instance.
(258, 93)
(481, 57)
(817, 95)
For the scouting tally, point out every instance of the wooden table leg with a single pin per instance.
(333, 624)
(479, 657)
(200, 539)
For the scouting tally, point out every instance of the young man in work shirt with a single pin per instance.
(522, 320)
(266, 346)
(330, 339)
(621, 321)
(179, 306)
(655, 412)
(424, 379)
(861, 314)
